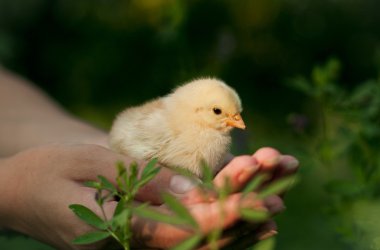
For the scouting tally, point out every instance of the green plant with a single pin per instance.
(345, 146)
(128, 184)
(119, 226)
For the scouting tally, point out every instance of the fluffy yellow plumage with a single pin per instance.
(182, 129)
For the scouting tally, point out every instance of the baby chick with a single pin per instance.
(182, 129)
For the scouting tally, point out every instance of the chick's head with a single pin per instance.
(208, 102)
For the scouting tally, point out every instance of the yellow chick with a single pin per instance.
(190, 125)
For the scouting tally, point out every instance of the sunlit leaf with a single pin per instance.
(107, 184)
(189, 243)
(255, 183)
(92, 184)
(120, 219)
(91, 237)
(254, 215)
(150, 213)
(226, 189)
(149, 172)
(88, 216)
(121, 173)
(131, 178)
(149, 168)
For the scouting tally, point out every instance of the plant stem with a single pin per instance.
(116, 238)
(104, 214)
(128, 225)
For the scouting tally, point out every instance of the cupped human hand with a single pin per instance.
(39, 184)
(206, 208)
(239, 172)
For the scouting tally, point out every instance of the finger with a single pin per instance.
(206, 215)
(274, 204)
(288, 165)
(199, 195)
(237, 173)
(268, 158)
(244, 234)
(266, 230)
(278, 165)
(209, 216)
(227, 158)
(92, 161)
(166, 181)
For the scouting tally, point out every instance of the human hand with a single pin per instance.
(207, 213)
(40, 183)
(275, 164)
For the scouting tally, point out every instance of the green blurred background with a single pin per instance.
(307, 72)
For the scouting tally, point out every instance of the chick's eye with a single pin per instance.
(217, 111)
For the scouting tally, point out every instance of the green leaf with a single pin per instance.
(180, 210)
(131, 178)
(152, 214)
(91, 238)
(345, 188)
(121, 173)
(277, 187)
(88, 216)
(149, 168)
(107, 184)
(99, 198)
(189, 243)
(226, 189)
(301, 84)
(121, 219)
(120, 207)
(207, 174)
(143, 181)
(255, 183)
(254, 215)
(148, 173)
(92, 184)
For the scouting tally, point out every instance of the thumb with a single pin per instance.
(95, 161)
(166, 181)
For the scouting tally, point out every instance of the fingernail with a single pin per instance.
(274, 204)
(180, 184)
(268, 234)
(291, 163)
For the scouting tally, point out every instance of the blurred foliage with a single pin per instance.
(98, 56)
(346, 147)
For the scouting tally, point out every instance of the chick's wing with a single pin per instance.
(140, 131)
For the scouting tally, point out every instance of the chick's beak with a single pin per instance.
(236, 121)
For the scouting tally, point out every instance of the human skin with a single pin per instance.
(47, 154)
